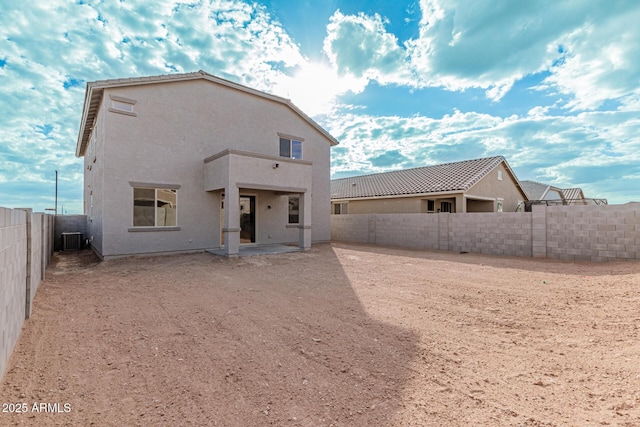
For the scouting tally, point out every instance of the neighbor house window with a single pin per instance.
(294, 210)
(290, 148)
(122, 105)
(431, 205)
(340, 208)
(154, 207)
(446, 207)
(499, 204)
(499, 175)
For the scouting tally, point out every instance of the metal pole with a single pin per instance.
(56, 192)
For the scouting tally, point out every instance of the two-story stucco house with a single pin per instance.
(191, 162)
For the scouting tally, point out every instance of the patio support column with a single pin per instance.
(305, 220)
(231, 227)
(461, 204)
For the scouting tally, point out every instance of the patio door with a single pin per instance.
(247, 219)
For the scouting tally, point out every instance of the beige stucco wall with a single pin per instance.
(397, 204)
(177, 125)
(391, 205)
(491, 187)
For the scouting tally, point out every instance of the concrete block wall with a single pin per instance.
(591, 232)
(352, 228)
(25, 251)
(39, 250)
(406, 230)
(507, 233)
(69, 224)
(13, 277)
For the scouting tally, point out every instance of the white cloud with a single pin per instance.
(552, 149)
(360, 46)
(589, 48)
(600, 61)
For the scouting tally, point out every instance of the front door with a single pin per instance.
(247, 219)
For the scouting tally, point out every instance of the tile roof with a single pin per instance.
(457, 176)
(535, 190)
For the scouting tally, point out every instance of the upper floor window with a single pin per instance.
(290, 148)
(122, 105)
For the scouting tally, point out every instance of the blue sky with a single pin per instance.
(552, 86)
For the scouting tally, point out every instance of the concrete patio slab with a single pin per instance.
(259, 250)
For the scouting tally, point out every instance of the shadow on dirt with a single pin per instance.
(203, 340)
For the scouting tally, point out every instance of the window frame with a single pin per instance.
(342, 207)
(433, 206)
(122, 105)
(289, 214)
(156, 189)
(450, 207)
(290, 141)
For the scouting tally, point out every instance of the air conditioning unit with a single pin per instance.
(71, 241)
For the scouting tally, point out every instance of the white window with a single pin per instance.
(499, 175)
(499, 204)
(431, 206)
(154, 207)
(122, 105)
(290, 148)
(341, 208)
(294, 210)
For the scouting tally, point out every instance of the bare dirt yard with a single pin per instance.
(342, 335)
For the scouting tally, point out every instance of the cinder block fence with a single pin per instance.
(26, 245)
(589, 233)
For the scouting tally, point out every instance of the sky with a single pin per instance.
(553, 86)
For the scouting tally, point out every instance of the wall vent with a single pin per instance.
(71, 241)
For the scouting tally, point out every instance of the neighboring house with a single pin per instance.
(189, 162)
(479, 185)
(540, 193)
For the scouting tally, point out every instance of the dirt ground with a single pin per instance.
(342, 335)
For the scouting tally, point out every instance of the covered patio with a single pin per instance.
(234, 172)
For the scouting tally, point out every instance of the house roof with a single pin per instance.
(94, 91)
(538, 191)
(535, 190)
(448, 177)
